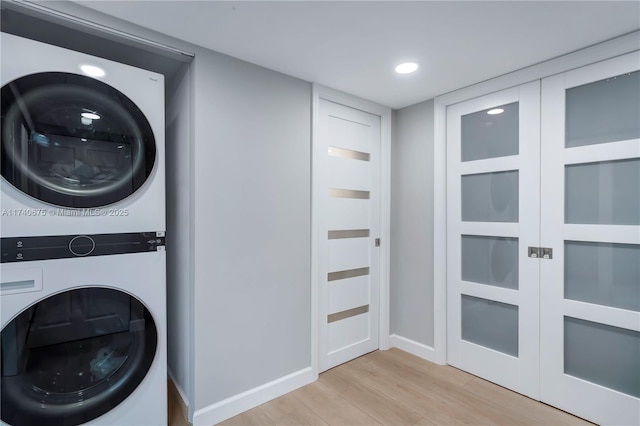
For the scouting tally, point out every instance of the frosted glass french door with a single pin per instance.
(493, 146)
(543, 239)
(590, 216)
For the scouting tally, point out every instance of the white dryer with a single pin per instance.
(84, 341)
(82, 143)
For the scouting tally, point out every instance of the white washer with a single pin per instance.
(80, 154)
(84, 341)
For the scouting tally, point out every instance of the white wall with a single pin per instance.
(239, 280)
(179, 168)
(252, 216)
(411, 224)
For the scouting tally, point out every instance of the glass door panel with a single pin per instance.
(490, 197)
(603, 111)
(603, 193)
(491, 324)
(602, 273)
(490, 260)
(490, 133)
(614, 369)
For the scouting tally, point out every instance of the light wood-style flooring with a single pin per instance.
(395, 388)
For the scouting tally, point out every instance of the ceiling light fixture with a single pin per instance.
(90, 115)
(92, 70)
(495, 111)
(406, 68)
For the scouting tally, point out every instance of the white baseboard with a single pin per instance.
(244, 401)
(184, 401)
(414, 348)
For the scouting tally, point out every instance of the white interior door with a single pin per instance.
(492, 218)
(590, 217)
(573, 171)
(347, 158)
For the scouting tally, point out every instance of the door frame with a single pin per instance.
(599, 52)
(323, 92)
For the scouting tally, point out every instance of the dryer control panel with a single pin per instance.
(19, 249)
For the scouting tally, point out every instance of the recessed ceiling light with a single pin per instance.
(92, 70)
(406, 68)
(90, 115)
(495, 111)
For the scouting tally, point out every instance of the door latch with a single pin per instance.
(540, 252)
(377, 242)
(534, 252)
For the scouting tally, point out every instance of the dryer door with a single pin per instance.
(73, 141)
(74, 356)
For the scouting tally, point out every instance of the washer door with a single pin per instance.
(74, 356)
(73, 141)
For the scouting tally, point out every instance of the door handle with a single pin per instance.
(540, 252)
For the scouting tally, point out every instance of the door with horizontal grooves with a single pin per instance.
(347, 157)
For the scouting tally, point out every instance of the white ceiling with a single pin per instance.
(354, 46)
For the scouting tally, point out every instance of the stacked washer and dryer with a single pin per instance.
(83, 286)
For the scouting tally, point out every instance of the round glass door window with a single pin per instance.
(74, 356)
(73, 141)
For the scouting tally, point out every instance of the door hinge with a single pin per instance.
(541, 252)
(377, 242)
